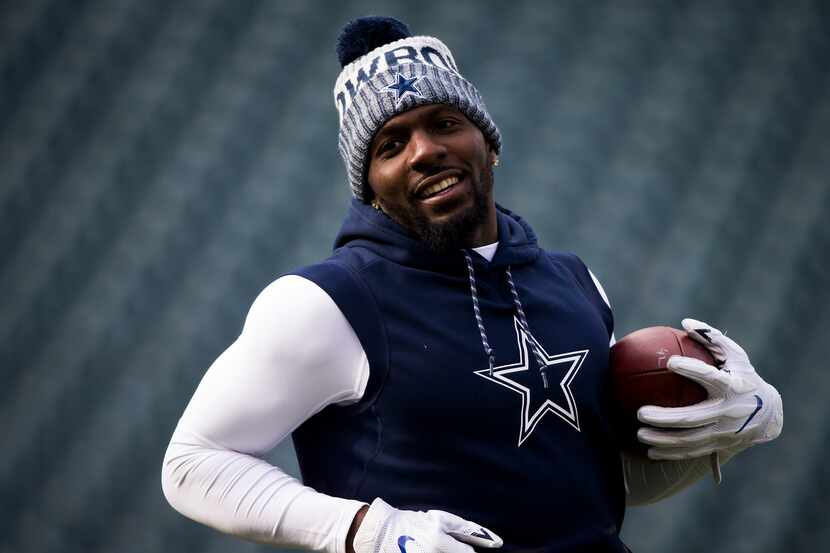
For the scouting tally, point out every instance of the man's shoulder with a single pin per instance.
(584, 278)
(342, 276)
(568, 260)
(573, 265)
(345, 267)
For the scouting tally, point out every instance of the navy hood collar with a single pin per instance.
(366, 227)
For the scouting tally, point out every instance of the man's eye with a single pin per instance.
(446, 123)
(388, 146)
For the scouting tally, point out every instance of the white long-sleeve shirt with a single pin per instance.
(297, 354)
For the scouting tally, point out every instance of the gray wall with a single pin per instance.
(161, 162)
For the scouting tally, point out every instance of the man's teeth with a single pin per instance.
(438, 187)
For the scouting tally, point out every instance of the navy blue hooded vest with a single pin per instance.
(436, 429)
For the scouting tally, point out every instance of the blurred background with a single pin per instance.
(162, 161)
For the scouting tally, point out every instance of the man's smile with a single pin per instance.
(434, 189)
(431, 185)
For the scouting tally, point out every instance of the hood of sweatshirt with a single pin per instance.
(366, 227)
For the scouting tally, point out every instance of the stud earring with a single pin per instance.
(496, 162)
(376, 205)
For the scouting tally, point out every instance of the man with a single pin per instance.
(445, 379)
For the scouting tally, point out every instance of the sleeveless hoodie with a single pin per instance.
(488, 392)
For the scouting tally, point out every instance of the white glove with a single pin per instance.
(388, 530)
(742, 410)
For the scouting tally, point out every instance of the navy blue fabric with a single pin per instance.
(435, 430)
(364, 34)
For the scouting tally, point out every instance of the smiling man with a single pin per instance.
(445, 379)
(431, 170)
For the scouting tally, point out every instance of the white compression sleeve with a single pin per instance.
(649, 481)
(297, 353)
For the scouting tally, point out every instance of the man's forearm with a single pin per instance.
(249, 498)
(649, 481)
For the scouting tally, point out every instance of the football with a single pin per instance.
(640, 377)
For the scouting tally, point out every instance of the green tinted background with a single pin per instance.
(161, 162)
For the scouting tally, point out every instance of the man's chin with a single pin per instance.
(449, 227)
(449, 233)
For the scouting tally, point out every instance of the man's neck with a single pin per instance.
(488, 232)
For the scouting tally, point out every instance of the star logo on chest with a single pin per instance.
(403, 86)
(523, 377)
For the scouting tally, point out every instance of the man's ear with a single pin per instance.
(371, 198)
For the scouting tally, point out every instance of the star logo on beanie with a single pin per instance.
(404, 86)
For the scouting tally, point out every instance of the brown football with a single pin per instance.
(640, 377)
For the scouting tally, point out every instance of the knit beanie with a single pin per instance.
(387, 71)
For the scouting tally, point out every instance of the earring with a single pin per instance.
(496, 162)
(376, 205)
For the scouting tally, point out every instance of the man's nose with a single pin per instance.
(426, 151)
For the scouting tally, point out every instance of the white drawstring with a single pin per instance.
(520, 312)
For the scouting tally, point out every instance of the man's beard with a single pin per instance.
(456, 233)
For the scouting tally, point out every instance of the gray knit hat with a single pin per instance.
(386, 72)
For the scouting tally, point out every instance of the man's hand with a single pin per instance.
(742, 409)
(385, 529)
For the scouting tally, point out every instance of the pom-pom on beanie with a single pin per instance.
(387, 71)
